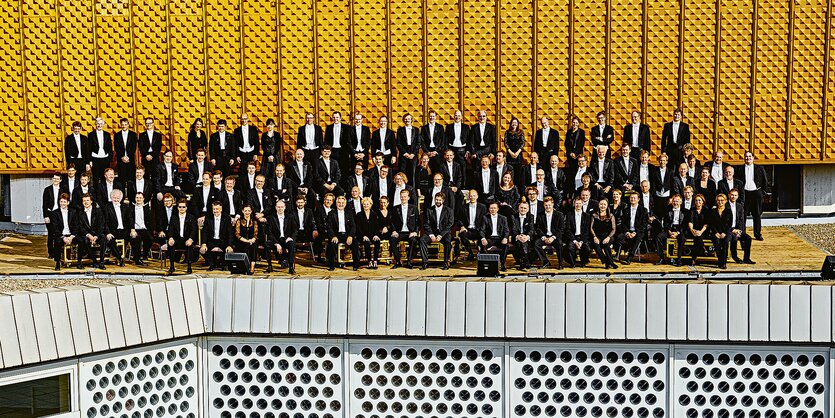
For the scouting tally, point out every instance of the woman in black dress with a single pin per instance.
(722, 224)
(585, 183)
(270, 142)
(196, 139)
(246, 236)
(575, 143)
(697, 228)
(423, 178)
(705, 185)
(603, 228)
(508, 196)
(617, 206)
(514, 143)
(368, 231)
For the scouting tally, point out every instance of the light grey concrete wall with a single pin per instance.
(818, 189)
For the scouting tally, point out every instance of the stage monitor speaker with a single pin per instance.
(488, 265)
(828, 269)
(238, 263)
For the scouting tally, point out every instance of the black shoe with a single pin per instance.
(606, 267)
(627, 262)
(503, 268)
(677, 263)
(614, 266)
(250, 273)
(423, 266)
(546, 265)
(268, 270)
(170, 272)
(211, 267)
(292, 270)
(723, 266)
(758, 237)
(659, 262)
(559, 266)
(121, 262)
(520, 267)
(737, 260)
(80, 266)
(57, 265)
(396, 266)
(331, 269)
(356, 267)
(748, 261)
(139, 262)
(445, 267)
(408, 266)
(188, 270)
(101, 266)
(470, 257)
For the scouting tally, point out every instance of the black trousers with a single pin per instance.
(123, 234)
(743, 239)
(246, 157)
(661, 243)
(340, 155)
(446, 240)
(572, 249)
(289, 253)
(721, 247)
(85, 247)
(140, 245)
(604, 252)
(222, 164)
(522, 252)
(99, 165)
(394, 246)
(556, 245)
(150, 168)
(698, 246)
(56, 245)
(179, 244)
(342, 238)
(467, 235)
(754, 207)
(126, 171)
(371, 249)
(251, 250)
(631, 244)
(215, 258)
(311, 156)
(494, 242)
(408, 166)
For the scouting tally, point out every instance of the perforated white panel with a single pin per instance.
(159, 381)
(594, 381)
(726, 382)
(423, 380)
(272, 378)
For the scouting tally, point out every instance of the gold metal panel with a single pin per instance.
(807, 80)
(625, 65)
(698, 92)
(223, 30)
(772, 66)
(662, 67)
(552, 65)
(297, 81)
(260, 61)
(406, 60)
(371, 78)
(114, 61)
(43, 86)
(150, 34)
(333, 35)
(13, 153)
(830, 110)
(188, 80)
(442, 58)
(479, 59)
(589, 62)
(735, 78)
(516, 75)
(78, 71)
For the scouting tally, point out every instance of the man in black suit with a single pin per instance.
(142, 230)
(602, 134)
(124, 143)
(544, 188)
(167, 179)
(182, 235)
(470, 220)
(199, 166)
(283, 188)
(577, 234)
(546, 141)
(310, 139)
(328, 175)
(453, 173)
(106, 187)
(63, 227)
(527, 173)
(550, 224)
(738, 233)
(626, 170)
(485, 180)
(661, 179)
(672, 226)
(248, 142)
(139, 184)
(150, 145)
(202, 198)
(246, 181)
(359, 179)
(754, 183)
(341, 230)
(482, 138)
(382, 186)
(432, 141)
(495, 233)
(76, 149)
(536, 207)
(70, 180)
(50, 203)
(682, 180)
(281, 238)
(222, 149)
(261, 201)
(360, 141)
(556, 180)
(306, 222)
(717, 167)
(163, 218)
(92, 230)
(637, 136)
(101, 150)
(457, 135)
(119, 223)
(633, 224)
(382, 140)
(524, 234)
(217, 237)
(405, 227)
(673, 138)
(437, 225)
(338, 137)
(602, 172)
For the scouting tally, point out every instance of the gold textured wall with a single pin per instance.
(749, 74)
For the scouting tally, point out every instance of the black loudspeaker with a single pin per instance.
(238, 263)
(488, 265)
(828, 269)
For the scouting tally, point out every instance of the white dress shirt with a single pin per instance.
(337, 128)
(300, 213)
(246, 146)
(675, 132)
(545, 132)
(65, 217)
(733, 214)
(472, 213)
(89, 213)
(600, 163)
(231, 197)
(456, 141)
(359, 180)
(118, 209)
(169, 182)
(78, 145)
(206, 192)
(404, 213)
(548, 218)
(55, 192)
(643, 173)
(438, 211)
(138, 218)
(217, 228)
(750, 185)
(676, 216)
(125, 142)
(281, 225)
(309, 137)
(485, 180)
(150, 133)
(716, 173)
(494, 220)
(358, 130)
(383, 186)
(636, 130)
(300, 165)
(578, 222)
(340, 217)
(481, 128)
(432, 134)
(222, 137)
(409, 135)
(383, 142)
(634, 212)
(578, 178)
(397, 190)
(182, 225)
(100, 140)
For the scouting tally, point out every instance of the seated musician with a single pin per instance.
(633, 225)
(603, 229)
(62, 228)
(119, 222)
(738, 233)
(281, 238)
(404, 222)
(182, 235)
(495, 233)
(672, 226)
(438, 227)
(92, 230)
(469, 221)
(341, 230)
(217, 237)
(577, 229)
(550, 226)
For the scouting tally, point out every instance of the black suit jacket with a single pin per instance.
(364, 140)
(724, 187)
(683, 136)
(123, 149)
(193, 175)
(57, 222)
(668, 220)
(78, 194)
(552, 146)
(266, 206)
(291, 228)
(351, 181)
(107, 142)
(189, 227)
(575, 142)
(196, 202)
(301, 138)
(147, 190)
(437, 137)
(388, 141)
(679, 184)
(101, 197)
(163, 220)
(226, 234)
(641, 220)
(760, 178)
(449, 134)
(644, 141)
(155, 144)
(602, 138)
(658, 182)
(254, 138)
(529, 227)
(430, 221)
(502, 229)
(557, 223)
(489, 140)
(309, 221)
(571, 226)
(463, 217)
(244, 184)
(404, 148)
(146, 211)
(71, 150)
(49, 198)
(97, 227)
(226, 154)
(527, 177)
(333, 223)
(162, 176)
(740, 215)
(621, 177)
(287, 192)
(322, 171)
(456, 178)
(237, 201)
(608, 172)
(293, 173)
(478, 182)
(113, 222)
(344, 136)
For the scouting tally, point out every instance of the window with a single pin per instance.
(36, 398)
